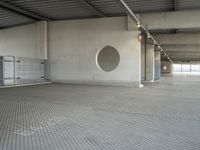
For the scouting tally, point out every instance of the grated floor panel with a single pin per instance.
(161, 116)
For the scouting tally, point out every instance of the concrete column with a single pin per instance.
(150, 63)
(143, 57)
(1, 70)
(157, 71)
(42, 39)
(42, 45)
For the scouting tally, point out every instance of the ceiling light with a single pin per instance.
(138, 25)
(140, 37)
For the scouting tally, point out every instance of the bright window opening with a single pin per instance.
(177, 67)
(195, 68)
(186, 68)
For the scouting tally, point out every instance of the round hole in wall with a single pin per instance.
(108, 59)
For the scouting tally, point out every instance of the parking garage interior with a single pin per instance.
(99, 75)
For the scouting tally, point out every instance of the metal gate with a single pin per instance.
(7, 66)
(21, 70)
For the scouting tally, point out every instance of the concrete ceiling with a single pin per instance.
(26, 11)
(180, 46)
(18, 12)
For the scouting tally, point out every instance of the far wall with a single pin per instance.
(23, 41)
(73, 46)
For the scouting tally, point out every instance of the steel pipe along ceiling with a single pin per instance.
(141, 26)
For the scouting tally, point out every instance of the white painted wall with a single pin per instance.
(23, 41)
(73, 46)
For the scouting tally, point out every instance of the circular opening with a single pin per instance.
(108, 58)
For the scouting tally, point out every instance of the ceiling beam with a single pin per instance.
(183, 60)
(141, 26)
(182, 48)
(184, 57)
(21, 11)
(178, 39)
(171, 20)
(174, 8)
(92, 8)
(174, 5)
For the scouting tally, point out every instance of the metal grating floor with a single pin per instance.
(164, 115)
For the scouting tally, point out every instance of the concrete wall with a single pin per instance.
(168, 65)
(23, 41)
(73, 46)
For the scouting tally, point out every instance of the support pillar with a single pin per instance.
(42, 45)
(150, 63)
(157, 70)
(143, 57)
(1, 70)
(42, 39)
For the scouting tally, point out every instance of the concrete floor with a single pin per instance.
(161, 116)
